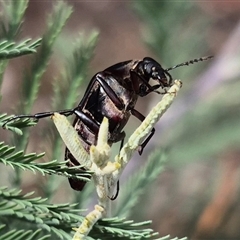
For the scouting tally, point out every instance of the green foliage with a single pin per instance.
(172, 32)
(20, 234)
(218, 118)
(137, 185)
(204, 123)
(56, 22)
(205, 107)
(58, 219)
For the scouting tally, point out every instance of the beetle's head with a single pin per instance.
(153, 70)
(150, 69)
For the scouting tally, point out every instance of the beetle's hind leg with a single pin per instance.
(38, 116)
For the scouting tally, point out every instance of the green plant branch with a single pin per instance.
(15, 126)
(61, 218)
(8, 156)
(20, 234)
(56, 22)
(75, 72)
(10, 49)
(31, 83)
(13, 12)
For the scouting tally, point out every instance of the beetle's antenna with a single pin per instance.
(190, 62)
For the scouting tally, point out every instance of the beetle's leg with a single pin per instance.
(110, 93)
(150, 88)
(40, 115)
(145, 142)
(122, 142)
(66, 113)
(118, 183)
(100, 79)
(89, 122)
(139, 116)
(132, 72)
(117, 192)
(118, 137)
(170, 78)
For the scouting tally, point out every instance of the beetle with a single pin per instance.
(113, 93)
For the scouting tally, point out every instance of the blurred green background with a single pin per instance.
(198, 193)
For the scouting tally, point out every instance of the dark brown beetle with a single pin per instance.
(113, 93)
